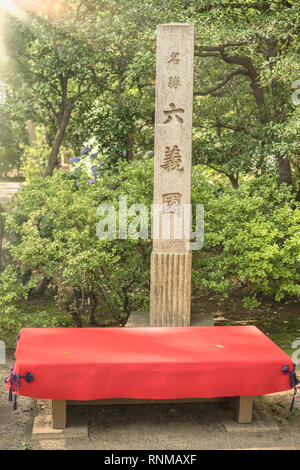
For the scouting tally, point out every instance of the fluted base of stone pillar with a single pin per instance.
(170, 297)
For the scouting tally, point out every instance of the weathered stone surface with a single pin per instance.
(170, 303)
(171, 258)
(257, 426)
(142, 319)
(42, 429)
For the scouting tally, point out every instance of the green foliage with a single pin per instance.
(55, 234)
(94, 64)
(34, 157)
(26, 446)
(12, 288)
(251, 237)
(250, 302)
(29, 314)
(253, 47)
(13, 136)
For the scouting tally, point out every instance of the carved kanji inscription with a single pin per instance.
(174, 58)
(172, 159)
(173, 111)
(171, 202)
(174, 81)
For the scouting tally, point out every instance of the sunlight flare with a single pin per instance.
(10, 7)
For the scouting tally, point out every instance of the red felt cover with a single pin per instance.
(159, 363)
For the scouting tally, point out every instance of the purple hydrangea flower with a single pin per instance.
(74, 159)
(84, 150)
(102, 162)
(94, 155)
(92, 181)
(77, 184)
(95, 170)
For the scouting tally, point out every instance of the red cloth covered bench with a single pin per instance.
(148, 363)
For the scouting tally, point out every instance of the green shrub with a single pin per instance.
(35, 156)
(252, 237)
(54, 225)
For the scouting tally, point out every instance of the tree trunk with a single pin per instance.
(92, 308)
(234, 180)
(285, 173)
(41, 287)
(53, 159)
(130, 142)
(76, 318)
(31, 130)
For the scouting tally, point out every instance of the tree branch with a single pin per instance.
(98, 81)
(221, 84)
(250, 70)
(79, 91)
(230, 127)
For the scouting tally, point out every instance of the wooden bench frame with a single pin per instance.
(243, 407)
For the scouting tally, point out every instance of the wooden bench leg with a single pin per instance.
(244, 409)
(59, 414)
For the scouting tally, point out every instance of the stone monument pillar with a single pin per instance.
(170, 298)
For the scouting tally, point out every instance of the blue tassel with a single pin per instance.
(293, 381)
(292, 404)
(14, 380)
(28, 377)
(18, 337)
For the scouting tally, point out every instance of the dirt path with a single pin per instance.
(153, 427)
(8, 190)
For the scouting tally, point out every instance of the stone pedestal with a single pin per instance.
(170, 289)
(142, 319)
